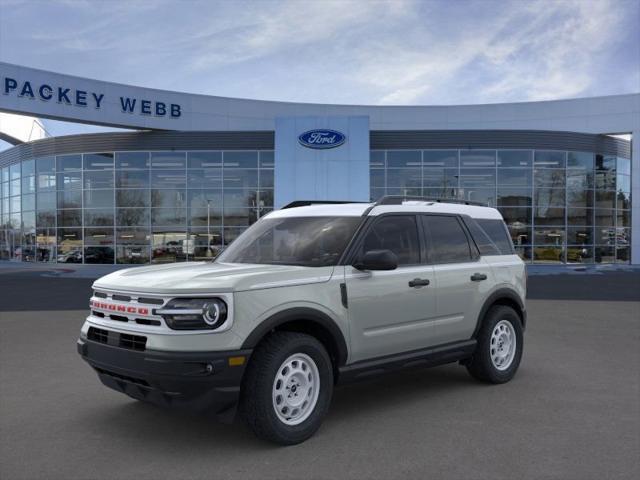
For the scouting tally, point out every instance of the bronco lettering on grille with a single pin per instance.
(118, 308)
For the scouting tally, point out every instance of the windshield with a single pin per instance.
(305, 241)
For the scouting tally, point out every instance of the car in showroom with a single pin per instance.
(313, 295)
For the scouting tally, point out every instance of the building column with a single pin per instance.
(635, 197)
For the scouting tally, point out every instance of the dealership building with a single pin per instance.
(195, 170)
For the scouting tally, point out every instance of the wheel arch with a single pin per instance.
(502, 296)
(304, 320)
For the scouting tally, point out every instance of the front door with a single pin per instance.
(391, 311)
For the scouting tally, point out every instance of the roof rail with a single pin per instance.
(306, 203)
(399, 199)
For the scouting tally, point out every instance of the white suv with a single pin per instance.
(314, 294)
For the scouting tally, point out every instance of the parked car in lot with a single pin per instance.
(72, 256)
(311, 296)
(98, 255)
(549, 253)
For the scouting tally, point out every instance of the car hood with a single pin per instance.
(207, 277)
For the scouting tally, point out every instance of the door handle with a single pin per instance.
(478, 277)
(418, 282)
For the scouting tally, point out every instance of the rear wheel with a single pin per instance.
(287, 388)
(499, 347)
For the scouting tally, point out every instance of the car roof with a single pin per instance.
(371, 209)
(323, 210)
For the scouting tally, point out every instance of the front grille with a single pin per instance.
(128, 309)
(151, 301)
(121, 298)
(146, 321)
(133, 342)
(126, 378)
(122, 340)
(98, 335)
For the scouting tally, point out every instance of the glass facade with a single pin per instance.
(560, 207)
(165, 206)
(131, 207)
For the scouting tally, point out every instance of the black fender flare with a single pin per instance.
(304, 314)
(495, 297)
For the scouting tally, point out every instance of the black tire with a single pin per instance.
(480, 366)
(257, 404)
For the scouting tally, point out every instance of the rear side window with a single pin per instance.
(484, 243)
(396, 233)
(447, 240)
(498, 234)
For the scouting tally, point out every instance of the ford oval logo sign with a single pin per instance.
(322, 138)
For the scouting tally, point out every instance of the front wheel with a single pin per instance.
(287, 388)
(499, 347)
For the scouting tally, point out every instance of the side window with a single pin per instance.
(396, 233)
(497, 232)
(484, 243)
(448, 242)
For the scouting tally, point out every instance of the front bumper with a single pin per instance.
(193, 380)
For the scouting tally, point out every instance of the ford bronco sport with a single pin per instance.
(313, 295)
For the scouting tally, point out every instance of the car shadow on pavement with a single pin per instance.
(151, 426)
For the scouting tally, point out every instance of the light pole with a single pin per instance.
(208, 254)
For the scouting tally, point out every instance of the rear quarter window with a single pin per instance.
(485, 245)
(497, 233)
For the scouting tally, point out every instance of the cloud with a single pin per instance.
(554, 53)
(404, 95)
(338, 51)
(272, 29)
(534, 51)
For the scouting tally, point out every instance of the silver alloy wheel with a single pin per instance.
(503, 345)
(296, 389)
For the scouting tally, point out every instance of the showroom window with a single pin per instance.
(131, 207)
(559, 206)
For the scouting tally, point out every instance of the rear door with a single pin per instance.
(391, 311)
(462, 278)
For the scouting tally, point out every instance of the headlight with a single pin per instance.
(194, 313)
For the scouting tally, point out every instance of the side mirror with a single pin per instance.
(377, 260)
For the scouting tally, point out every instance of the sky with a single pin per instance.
(396, 52)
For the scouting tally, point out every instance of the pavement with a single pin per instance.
(571, 412)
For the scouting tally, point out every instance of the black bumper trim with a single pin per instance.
(192, 380)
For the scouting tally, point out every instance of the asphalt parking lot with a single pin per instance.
(572, 412)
